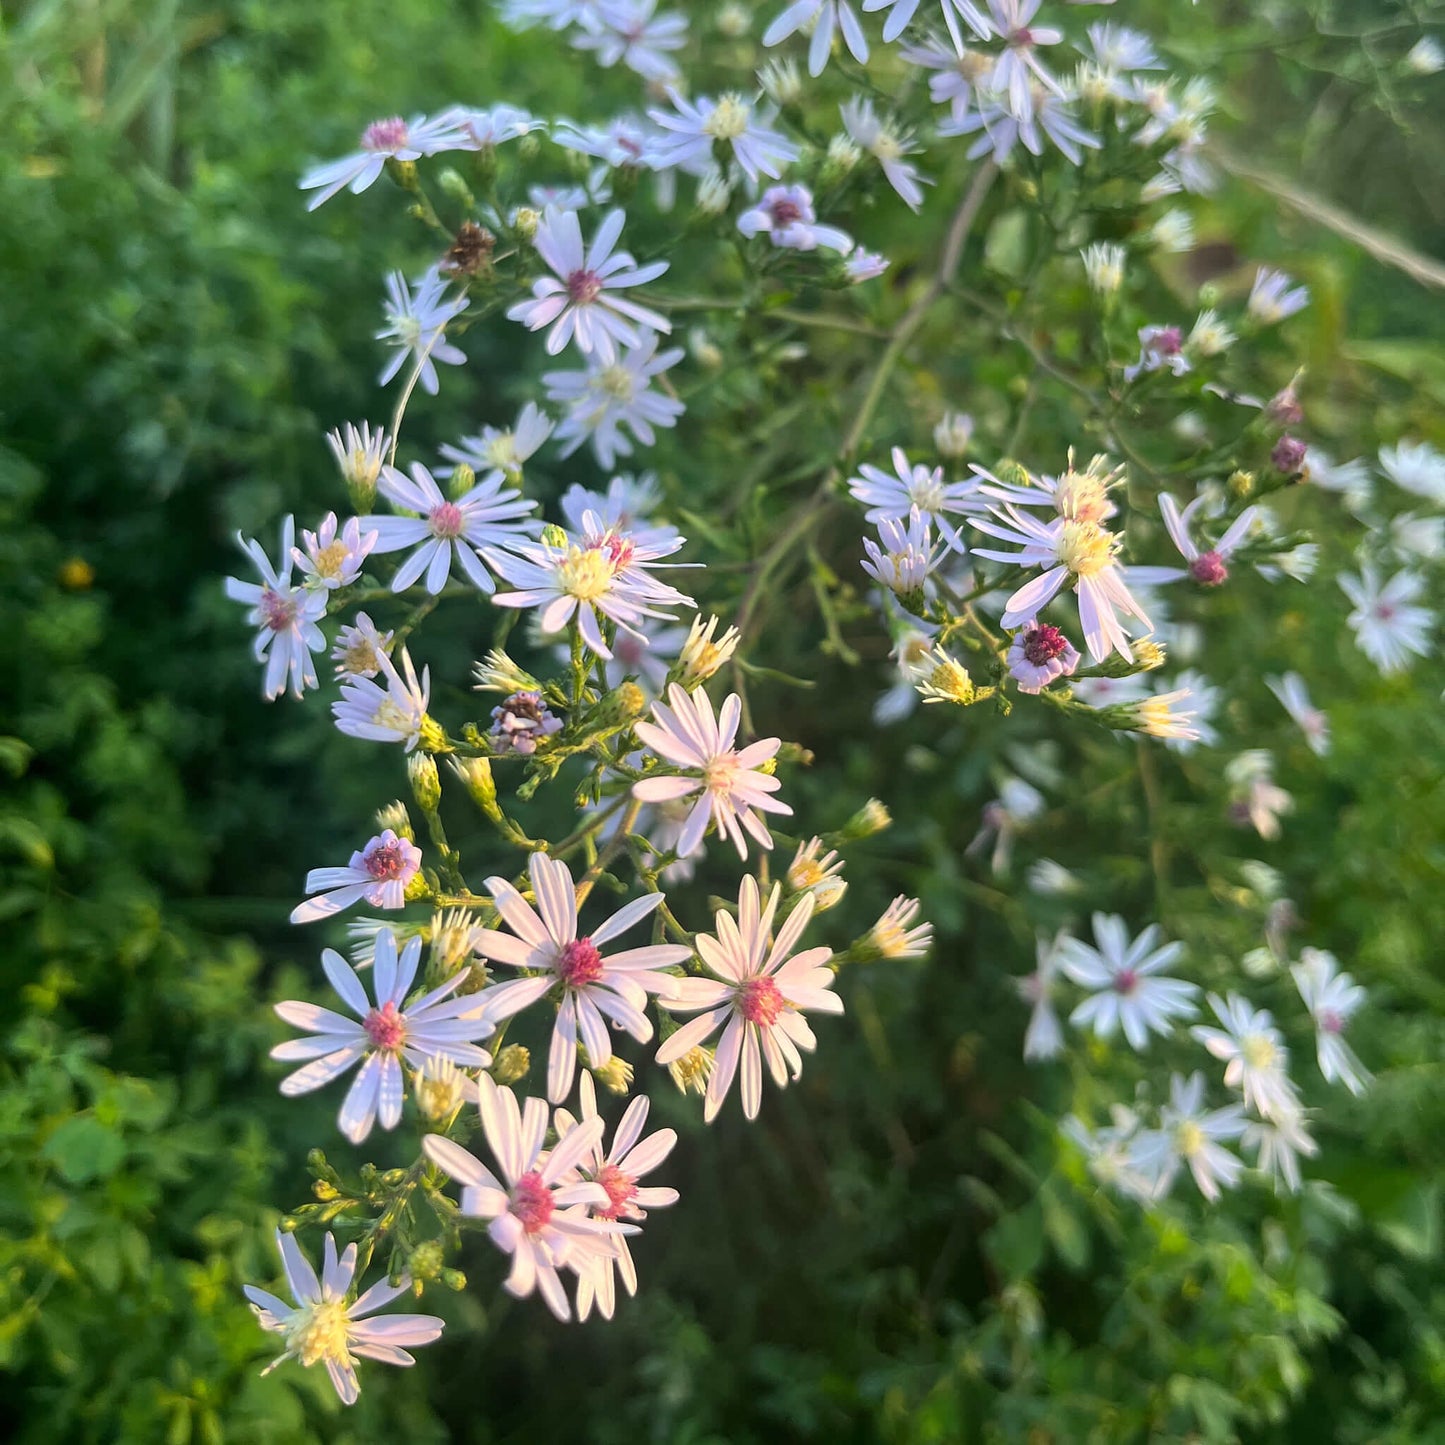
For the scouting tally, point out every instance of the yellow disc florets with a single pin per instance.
(320, 1332)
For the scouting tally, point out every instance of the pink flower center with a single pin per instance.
(1331, 1022)
(1125, 981)
(619, 549)
(1043, 645)
(621, 1191)
(385, 135)
(1021, 38)
(446, 521)
(579, 964)
(584, 287)
(385, 860)
(532, 1202)
(385, 1027)
(1168, 341)
(785, 212)
(629, 650)
(277, 610)
(1208, 569)
(760, 1002)
(1384, 611)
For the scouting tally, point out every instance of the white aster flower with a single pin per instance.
(732, 790)
(321, 1327)
(1274, 297)
(1425, 57)
(1174, 232)
(826, 17)
(888, 146)
(1256, 1059)
(360, 647)
(603, 571)
(1044, 1038)
(1193, 1136)
(395, 713)
(1104, 267)
(700, 657)
(863, 265)
(378, 873)
(809, 873)
(1417, 539)
(896, 935)
(786, 216)
(1351, 479)
(1333, 998)
(1076, 496)
(912, 487)
(382, 1034)
(416, 322)
(1416, 467)
(593, 988)
(618, 1171)
(952, 434)
(332, 561)
(487, 514)
(537, 1208)
(1082, 553)
(631, 32)
(1204, 701)
(960, 74)
(1207, 567)
(578, 300)
(906, 557)
(696, 126)
(1109, 1152)
(1019, 66)
(758, 1000)
(482, 130)
(382, 140)
(1389, 627)
(1051, 879)
(504, 448)
(1128, 994)
(1278, 1145)
(902, 11)
(286, 617)
(1051, 118)
(1295, 699)
(608, 396)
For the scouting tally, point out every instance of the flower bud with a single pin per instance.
(394, 816)
(843, 154)
(1015, 474)
(1288, 455)
(440, 1089)
(553, 536)
(781, 82)
(476, 778)
(701, 656)
(615, 709)
(952, 434)
(463, 480)
(615, 1075)
(871, 818)
(455, 187)
(432, 736)
(713, 193)
(733, 20)
(511, 1064)
(426, 785)
(526, 221)
(705, 351)
(426, 1260)
(1240, 484)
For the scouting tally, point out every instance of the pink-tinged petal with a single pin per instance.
(646, 1156)
(725, 1065)
(300, 1276)
(664, 790)
(751, 1083)
(457, 1163)
(400, 1330)
(383, 972)
(571, 1149)
(629, 1128)
(328, 904)
(626, 917)
(556, 897)
(794, 1028)
(518, 912)
(562, 1053)
(654, 955)
(728, 720)
(314, 1019)
(725, 955)
(773, 1056)
(523, 1276)
(390, 1091)
(790, 932)
(1032, 597)
(502, 1125)
(550, 1287)
(690, 839)
(622, 1011)
(690, 994)
(533, 1130)
(295, 1050)
(502, 1000)
(384, 1354)
(818, 1000)
(504, 948)
(507, 1234)
(691, 1034)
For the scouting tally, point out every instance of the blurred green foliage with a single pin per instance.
(893, 1252)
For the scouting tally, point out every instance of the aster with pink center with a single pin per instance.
(618, 1171)
(390, 139)
(383, 1034)
(594, 989)
(689, 735)
(578, 300)
(1078, 552)
(758, 1000)
(1127, 994)
(536, 1205)
(487, 514)
(786, 216)
(1040, 654)
(322, 1328)
(286, 617)
(1208, 566)
(378, 873)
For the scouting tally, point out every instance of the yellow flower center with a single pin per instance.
(331, 560)
(1258, 1052)
(320, 1332)
(616, 381)
(1085, 548)
(729, 118)
(951, 679)
(586, 573)
(887, 147)
(1189, 1138)
(690, 1072)
(805, 873)
(1154, 717)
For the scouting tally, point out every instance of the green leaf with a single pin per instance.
(82, 1148)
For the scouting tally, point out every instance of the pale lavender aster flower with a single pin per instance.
(359, 648)
(1051, 118)
(487, 514)
(862, 265)
(896, 935)
(906, 557)
(1253, 1050)
(378, 873)
(786, 216)
(1161, 348)
(481, 130)
(912, 486)
(577, 301)
(1278, 1145)
(1207, 567)
(382, 1034)
(358, 453)
(902, 11)
(286, 617)
(758, 1000)
(395, 713)
(631, 32)
(826, 17)
(1416, 467)
(1295, 699)
(888, 146)
(330, 561)
(1019, 66)
(536, 1206)
(416, 322)
(382, 140)
(321, 1327)
(960, 74)
(1389, 627)
(689, 735)
(504, 448)
(1333, 998)
(1255, 798)
(594, 989)
(1272, 297)
(1193, 1136)
(1127, 994)
(626, 506)
(1044, 1038)
(697, 125)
